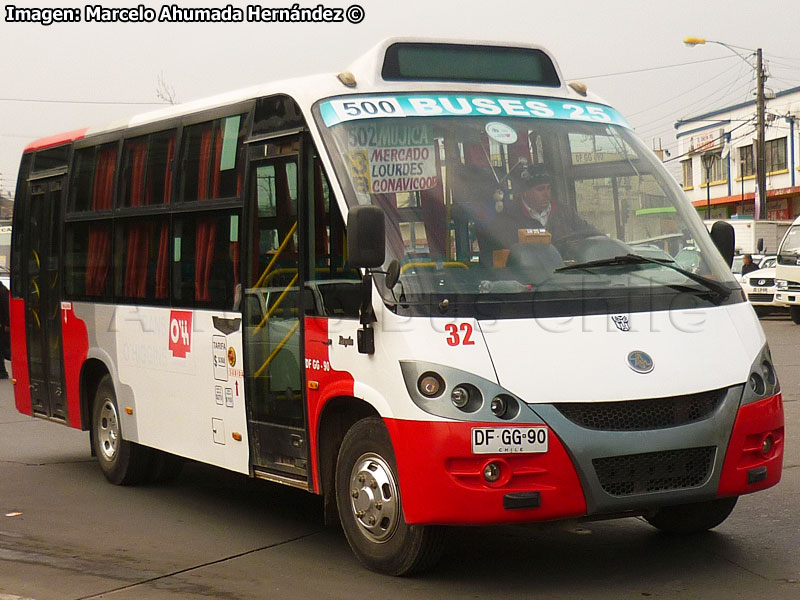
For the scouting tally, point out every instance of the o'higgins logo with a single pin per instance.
(641, 362)
(180, 333)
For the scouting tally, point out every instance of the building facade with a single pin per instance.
(718, 159)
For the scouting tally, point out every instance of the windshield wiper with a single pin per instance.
(718, 289)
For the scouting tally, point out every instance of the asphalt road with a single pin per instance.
(67, 534)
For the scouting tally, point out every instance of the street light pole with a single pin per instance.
(761, 148)
(708, 160)
(761, 151)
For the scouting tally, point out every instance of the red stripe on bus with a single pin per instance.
(56, 140)
(76, 349)
(442, 482)
(330, 384)
(19, 356)
(755, 423)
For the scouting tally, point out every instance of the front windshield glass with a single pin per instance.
(790, 247)
(488, 198)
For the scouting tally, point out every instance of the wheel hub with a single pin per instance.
(373, 497)
(108, 430)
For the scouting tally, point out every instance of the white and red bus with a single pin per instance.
(438, 288)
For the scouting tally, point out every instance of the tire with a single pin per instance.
(370, 509)
(692, 518)
(122, 462)
(794, 311)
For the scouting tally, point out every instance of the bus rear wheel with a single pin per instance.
(692, 518)
(122, 462)
(370, 510)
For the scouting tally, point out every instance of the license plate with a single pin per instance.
(509, 440)
(760, 290)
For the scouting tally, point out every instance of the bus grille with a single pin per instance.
(654, 471)
(639, 415)
(759, 297)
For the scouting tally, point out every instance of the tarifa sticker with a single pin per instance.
(501, 133)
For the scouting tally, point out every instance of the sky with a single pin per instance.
(66, 76)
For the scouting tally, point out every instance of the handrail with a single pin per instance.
(277, 303)
(280, 249)
(278, 348)
(275, 273)
(410, 265)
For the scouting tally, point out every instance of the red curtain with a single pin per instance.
(138, 158)
(519, 150)
(162, 264)
(205, 238)
(99, 250)
(434, 213)
(215, 172)
(168, 169)
(204, 163)
(136, 259)
(154, 195)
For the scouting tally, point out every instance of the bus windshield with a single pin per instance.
(487, 199)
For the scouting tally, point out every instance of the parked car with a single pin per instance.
(689, 259)
(770, 260)
(759, 286)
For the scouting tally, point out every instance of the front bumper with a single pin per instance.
(588, 471)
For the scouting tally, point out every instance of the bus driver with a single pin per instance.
(535, 209)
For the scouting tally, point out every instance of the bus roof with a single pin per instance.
(365, 75)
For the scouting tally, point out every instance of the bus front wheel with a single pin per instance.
(370, 510)
(122, 462)
(692, 518)
(794, 311)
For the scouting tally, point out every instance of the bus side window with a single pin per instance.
(205, 252)
(339, 285)
(211, 160)
(87, 262)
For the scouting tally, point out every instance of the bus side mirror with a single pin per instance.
(760, 245)
(724, 238)
(366, 237)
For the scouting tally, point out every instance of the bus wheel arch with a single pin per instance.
(123, 462)
(92, 373)
(368, 499)
(338, 416)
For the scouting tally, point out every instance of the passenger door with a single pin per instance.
(43, 299)
(272, 314)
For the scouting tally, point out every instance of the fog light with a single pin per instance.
(767, 445)
(459, 396)
(430, 385)
(499, 406)
(491, 472)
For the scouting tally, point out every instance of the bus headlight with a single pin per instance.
(781, 284)
(430, 384)
(452, 393)
(762, 382)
